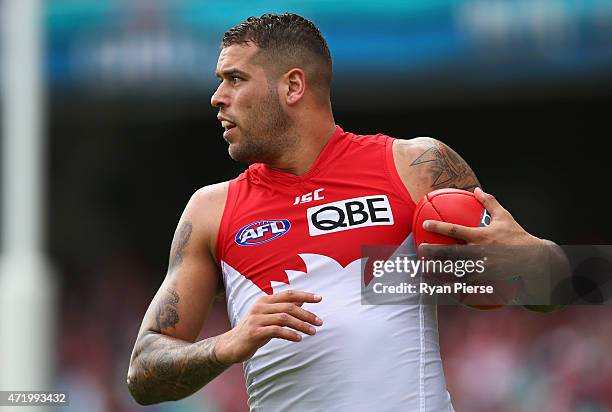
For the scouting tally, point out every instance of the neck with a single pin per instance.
(312, 137)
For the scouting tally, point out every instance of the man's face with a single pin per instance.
(256, 126)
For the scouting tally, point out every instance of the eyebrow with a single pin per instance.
(232, 71)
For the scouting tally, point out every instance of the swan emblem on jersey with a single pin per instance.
(262, 231)
(317, 269)
(317, 265)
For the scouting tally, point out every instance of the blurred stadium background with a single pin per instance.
(521, 88)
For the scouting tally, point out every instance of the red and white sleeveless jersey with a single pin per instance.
(285, 232)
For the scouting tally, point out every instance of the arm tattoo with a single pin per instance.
(446, 168)
(180, 241)
(164, 368)
(166, 314)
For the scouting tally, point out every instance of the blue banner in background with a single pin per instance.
(118, 47)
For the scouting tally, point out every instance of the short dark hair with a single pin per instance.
(287, 40)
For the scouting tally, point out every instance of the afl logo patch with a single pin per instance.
(262, 231)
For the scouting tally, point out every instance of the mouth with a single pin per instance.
(228, 126)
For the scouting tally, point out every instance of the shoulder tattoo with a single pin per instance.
(446, 168)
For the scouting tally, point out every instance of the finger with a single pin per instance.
(489, 202)
(294, 296)
(284, 319)
(275, 331)
(451, 229)
(295, 311)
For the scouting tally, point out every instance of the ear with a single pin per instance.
(295, 85)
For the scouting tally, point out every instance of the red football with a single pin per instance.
(447, 205)
(460, 207)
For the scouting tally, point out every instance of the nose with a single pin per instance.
(219, 98)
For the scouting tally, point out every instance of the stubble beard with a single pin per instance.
(269, 136)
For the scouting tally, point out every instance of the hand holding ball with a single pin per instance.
(451, 206)
(462, 208)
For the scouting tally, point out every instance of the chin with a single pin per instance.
(236, 155)
(232, 152)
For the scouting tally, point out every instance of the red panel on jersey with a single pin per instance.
(351, 196)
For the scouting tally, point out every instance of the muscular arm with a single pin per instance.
(167, 363)
(165, 368)
(425, 164)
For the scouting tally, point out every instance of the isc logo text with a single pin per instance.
(309, 197)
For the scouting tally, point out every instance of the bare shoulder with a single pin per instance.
(407, 150)
(207, 196)
(425, 164)
(205, 210)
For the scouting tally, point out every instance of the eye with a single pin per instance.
(236, 79)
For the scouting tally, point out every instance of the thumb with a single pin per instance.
(488, 201)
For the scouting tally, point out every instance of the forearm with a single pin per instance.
(165, 368)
